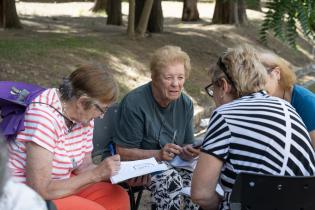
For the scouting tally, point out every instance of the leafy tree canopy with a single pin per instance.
(287, 17)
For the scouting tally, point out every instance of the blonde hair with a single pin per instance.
(243, 68)
(287, 75)
(167, 55)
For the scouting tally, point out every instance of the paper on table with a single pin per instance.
(190, 165)
(187, 191)
(131, 169)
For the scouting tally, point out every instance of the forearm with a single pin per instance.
(208, 202)
(204, 181)
(85, 168)
(137, 154)
(55, 189)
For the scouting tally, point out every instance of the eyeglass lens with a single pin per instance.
(209, 90)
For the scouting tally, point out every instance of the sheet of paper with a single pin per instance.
(131, 169)
(177, 162)
(187, 191)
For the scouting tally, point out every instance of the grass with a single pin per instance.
(49, 48)
(23, 48)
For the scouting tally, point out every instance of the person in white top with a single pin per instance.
(15, 196)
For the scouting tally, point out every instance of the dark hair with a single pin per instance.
(93, 81)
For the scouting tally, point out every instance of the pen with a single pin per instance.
(112, 149)
(174, 137)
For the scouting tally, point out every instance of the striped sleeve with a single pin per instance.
(216, 141)
(40, 128)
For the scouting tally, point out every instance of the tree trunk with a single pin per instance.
(9, 17)
(114, 12)
(190, 11)
(229, 12)
(138, 10)
(2, 14)
(144, 19)
(241, 7)
(131, 19)
(254, 5)
(156, 20)
(99, 5)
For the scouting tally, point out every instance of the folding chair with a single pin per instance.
(103, 136)
(269, 192)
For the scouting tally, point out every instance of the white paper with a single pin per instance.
(177, 162)
(187, 191)
(131, 169)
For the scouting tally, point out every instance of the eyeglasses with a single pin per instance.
(101, 110)
(209, 89)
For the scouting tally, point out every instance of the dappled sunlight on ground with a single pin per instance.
(57, 37)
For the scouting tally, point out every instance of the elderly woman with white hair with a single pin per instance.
(156, 120)
(249, 131)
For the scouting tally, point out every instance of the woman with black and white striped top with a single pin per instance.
(249, 131)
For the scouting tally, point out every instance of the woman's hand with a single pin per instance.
(169, 151)
(189, 152)
(107, 168)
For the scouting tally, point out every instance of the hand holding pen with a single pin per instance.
(169, 150)
(108, 167)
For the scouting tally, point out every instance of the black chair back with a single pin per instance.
(103, 135)
(269, 192)
(104, 132)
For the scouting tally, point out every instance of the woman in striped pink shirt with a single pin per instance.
(53, 154)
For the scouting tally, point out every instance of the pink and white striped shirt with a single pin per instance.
(47, 128)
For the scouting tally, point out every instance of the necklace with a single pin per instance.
(74, 163)
(69, 123)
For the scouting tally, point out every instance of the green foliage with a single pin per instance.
(286, 17)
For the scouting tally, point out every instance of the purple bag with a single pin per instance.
(14, 99)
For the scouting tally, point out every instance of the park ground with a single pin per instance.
(57, 37)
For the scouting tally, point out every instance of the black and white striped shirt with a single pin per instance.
(258, 134)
